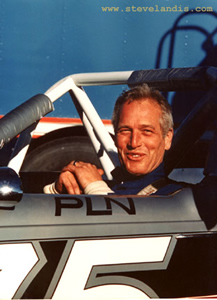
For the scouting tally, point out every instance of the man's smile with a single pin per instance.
(135, 156)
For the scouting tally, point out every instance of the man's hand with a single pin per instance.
(76, 176)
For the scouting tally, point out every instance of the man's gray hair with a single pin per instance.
(144, 92)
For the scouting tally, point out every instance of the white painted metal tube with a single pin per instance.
(91, 119)
(87, 79)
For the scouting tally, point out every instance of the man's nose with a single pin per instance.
(135, 139)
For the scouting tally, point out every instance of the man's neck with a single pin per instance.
(120, 174)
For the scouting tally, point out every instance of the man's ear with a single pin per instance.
(168, 139)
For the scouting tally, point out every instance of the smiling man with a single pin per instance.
(143, 127)
(139, 136)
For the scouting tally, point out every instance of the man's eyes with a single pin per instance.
(122, 130)
(147, 131)
(128, 130)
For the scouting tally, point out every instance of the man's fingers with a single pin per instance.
(70, 167)
(71, 184)
(77, 175)
(68, 182)
(101, 172)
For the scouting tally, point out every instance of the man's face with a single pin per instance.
(139, 138)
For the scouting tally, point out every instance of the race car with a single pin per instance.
(112, 247)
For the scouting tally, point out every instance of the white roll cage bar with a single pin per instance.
(97, 132)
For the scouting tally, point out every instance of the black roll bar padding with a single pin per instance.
(192, 128)
(176, 79)
(23, 116)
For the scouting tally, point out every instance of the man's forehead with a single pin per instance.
(142, 103)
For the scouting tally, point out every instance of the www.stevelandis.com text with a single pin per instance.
(156, 8)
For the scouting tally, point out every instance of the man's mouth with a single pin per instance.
(135, 156)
